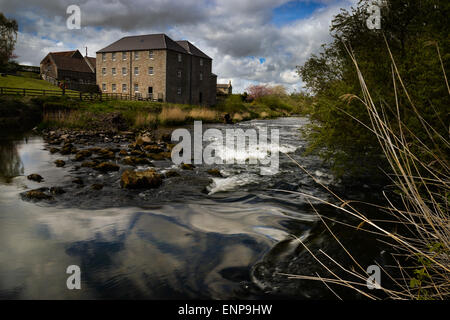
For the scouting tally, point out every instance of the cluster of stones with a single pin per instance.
(140, 151)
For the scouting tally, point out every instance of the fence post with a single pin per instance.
(24, 92)
(43, 92)
(81, 97)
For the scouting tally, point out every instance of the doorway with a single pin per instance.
(150, 93)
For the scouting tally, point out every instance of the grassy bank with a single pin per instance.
(65, 113)
(27, 80)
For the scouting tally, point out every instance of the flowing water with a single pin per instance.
(196, 236)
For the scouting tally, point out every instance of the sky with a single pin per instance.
(250, 41)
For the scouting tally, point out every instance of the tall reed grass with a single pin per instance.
(423, 211)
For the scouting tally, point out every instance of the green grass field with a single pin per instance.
(26, 82)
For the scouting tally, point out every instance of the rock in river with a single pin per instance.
(215, 173)
(107, 167)
(37, 195)
(60, 163)
(187, 166)
(82, 154)
(35, 177)
(140, 179)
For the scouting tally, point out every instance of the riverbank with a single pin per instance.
(119, 115)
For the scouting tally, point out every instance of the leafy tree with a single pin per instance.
(408, 27)
(8, 37)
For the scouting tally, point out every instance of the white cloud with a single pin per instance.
(235, 33)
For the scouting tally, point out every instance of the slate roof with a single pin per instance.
(153, 42)
(144, 42)
(191, 49)
(71, 61)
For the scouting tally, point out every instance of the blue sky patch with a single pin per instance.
(294, 10)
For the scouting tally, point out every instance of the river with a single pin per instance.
(195, 237)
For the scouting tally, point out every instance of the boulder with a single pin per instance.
(54, 150)
(35, 177)
(159, 156)
(107, 167)
(140, 179)
(215, 173)
(171, 174)
(133, 161)
(187, 166)
(37, 195)
(57, 190)
(82, 154)
(60, 163)
(90, 164)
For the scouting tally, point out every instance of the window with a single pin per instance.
(179, 73)
(150, 71)
(179, 57)
(113, 71)
(136, 55)
(103, 57)
(201, 62)
(104, 71)
(124, 71)
(124, 56)
(104, 86)
(201, 76)
(113, 56)
(179, 91)
(124, 87)
(136, 71)
(150, 54)
(113, 87)
(136, 87)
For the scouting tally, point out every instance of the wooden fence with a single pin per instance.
(67, 93)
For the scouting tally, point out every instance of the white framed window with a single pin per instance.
(150, 54)
(103, 57)
(103, 86)
(124, 71)
(124, 56)
(113, 87)
(104, 71)
(113, 56)
(179, 73)
(150, 71)
(113, 71)
(136, 71)
(179, 57)
(136, 55)
(201, 76)
(179, 91)
(124, 87)
(136, 87)
(201, 62)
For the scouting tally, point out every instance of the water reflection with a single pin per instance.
(10, 162)
(183, 243)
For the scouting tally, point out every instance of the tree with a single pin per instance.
(8, 38)
(408, 26)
